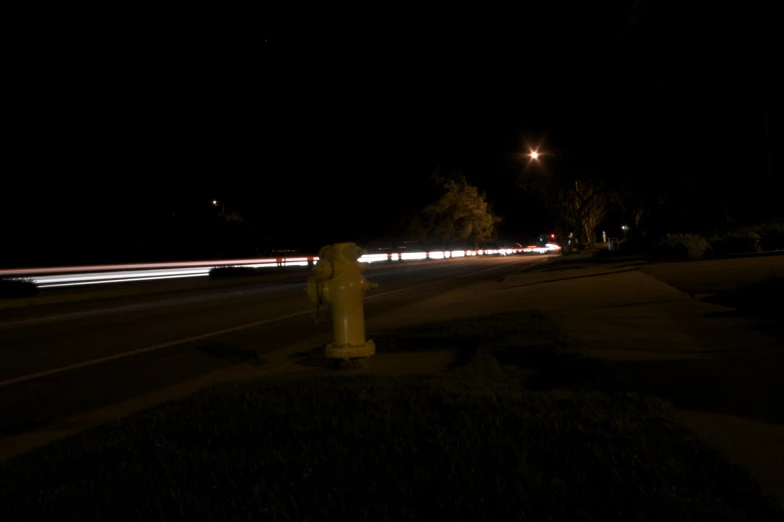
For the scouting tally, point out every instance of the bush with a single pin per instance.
(681, 246)
(772, 236)
(737, 243)
(14, 288)
(754, 238)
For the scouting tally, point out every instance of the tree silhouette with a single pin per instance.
(460, 214)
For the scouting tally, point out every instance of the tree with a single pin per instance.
(633, 202)
(577, 203)
(581, 204)
(595, 214)
(461, 213)
(636, 201)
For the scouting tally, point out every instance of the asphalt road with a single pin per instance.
(62, 359)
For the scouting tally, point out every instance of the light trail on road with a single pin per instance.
(55, 277)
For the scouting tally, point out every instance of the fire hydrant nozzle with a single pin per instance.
(337, 280)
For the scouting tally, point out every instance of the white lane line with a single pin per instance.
(147, 305)
(92, 362)
(114, 357)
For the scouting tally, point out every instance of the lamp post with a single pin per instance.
(216, 203)
(566, 248)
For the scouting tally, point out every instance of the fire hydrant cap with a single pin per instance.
(348, 251)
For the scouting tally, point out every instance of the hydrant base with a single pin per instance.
(350, 352)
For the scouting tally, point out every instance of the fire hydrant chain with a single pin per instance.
(337, 281)
(315, 303)
(316, 312)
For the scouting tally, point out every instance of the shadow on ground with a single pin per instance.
(744, 384)
(313, 358)
(542, 356)
(468, 444)
(748, 386)
(233, 353)
(763, 302)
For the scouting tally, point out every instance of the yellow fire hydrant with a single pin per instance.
(337, 280)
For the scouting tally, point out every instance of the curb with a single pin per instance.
(526, 268)
(766, 253)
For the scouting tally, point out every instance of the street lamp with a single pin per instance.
(215, 203)
(534, 157)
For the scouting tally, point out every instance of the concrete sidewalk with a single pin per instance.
(726, 378)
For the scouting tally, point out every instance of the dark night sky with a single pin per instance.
(328, 121)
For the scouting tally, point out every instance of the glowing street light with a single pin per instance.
(534, 155)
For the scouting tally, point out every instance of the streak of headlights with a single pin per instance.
(112, 274)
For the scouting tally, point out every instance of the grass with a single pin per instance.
(509, 433)
(15, 288)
